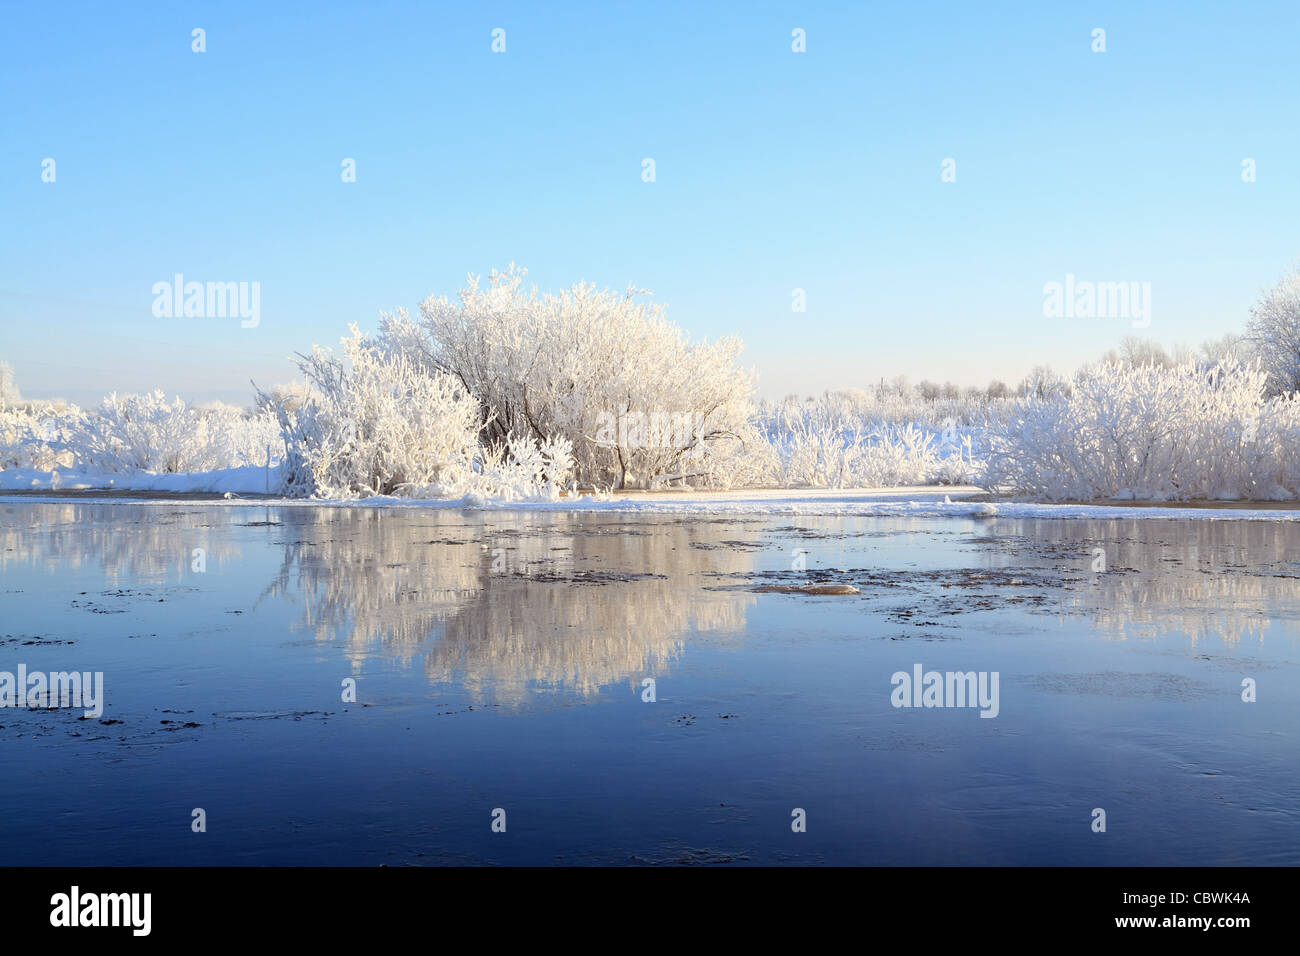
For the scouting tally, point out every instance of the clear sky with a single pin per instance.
(774, 171)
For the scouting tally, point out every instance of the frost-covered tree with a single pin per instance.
(1214, 351)
(1274, 332)
(370, 423)
(639, 402)
(1134, 350)
(374, 421)
(8, 390)
(1040, 382)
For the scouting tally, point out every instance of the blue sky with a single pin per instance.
(774, 171)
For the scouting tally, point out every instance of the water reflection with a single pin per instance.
(1216, 582)
(511, 604)
(505, 606)
(148, 545)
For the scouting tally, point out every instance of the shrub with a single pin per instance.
(1196, 431)
(372, 423)
(147, 433)
(596, 369)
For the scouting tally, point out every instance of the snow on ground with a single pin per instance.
(250, 479)
(956, 501)
(917, 501)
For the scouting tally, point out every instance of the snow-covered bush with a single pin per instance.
(235, 437)
(635, 398)
(134, 433)
(845, 440)
(147, 433)
(1274, 332)
(516, 469)
(35, 435)
(1146, 432)
(372, 423)
(894, 403)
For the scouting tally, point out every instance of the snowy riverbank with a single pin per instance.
(246, 487)
(248, 480)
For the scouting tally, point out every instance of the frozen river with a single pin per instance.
(647, 688)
